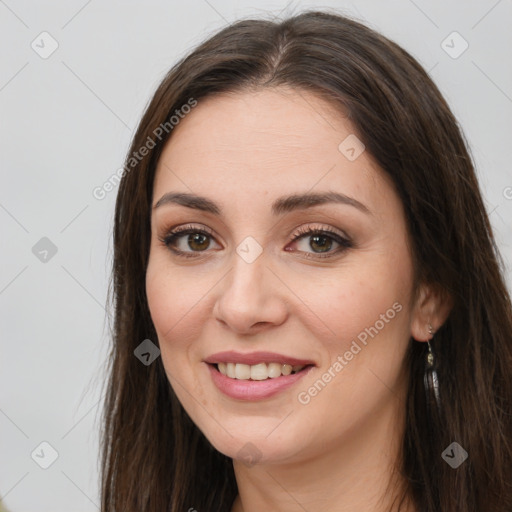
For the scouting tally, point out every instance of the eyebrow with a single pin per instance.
(280, 206)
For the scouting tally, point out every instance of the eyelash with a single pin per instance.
(302, 232)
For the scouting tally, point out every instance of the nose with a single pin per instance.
(250, 298)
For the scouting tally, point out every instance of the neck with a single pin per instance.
(356, 474)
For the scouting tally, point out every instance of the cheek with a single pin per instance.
(366, 321)
(174, 303)
(342, 303)
(175, 300)
(175, 297)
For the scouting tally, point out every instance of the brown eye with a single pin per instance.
(320, 243)
(188, 241)
(198, 241)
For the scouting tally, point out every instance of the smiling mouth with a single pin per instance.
(258, 372)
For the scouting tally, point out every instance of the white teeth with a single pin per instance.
(274, 370)
(286, 369)
(230, 370)
(259, 371)
(242, 371)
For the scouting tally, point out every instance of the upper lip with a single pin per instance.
(252, 358)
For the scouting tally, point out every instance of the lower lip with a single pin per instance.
(254, 389)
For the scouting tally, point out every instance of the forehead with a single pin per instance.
(248, 145)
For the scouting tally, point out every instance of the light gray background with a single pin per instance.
(66, 122)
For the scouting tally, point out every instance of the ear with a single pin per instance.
(432, 306)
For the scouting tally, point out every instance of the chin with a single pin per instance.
(255, 451)
(253, 442)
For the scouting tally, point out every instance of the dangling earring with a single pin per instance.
(430, 379)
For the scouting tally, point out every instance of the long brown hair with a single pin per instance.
(153, 457)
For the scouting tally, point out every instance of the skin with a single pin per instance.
(243, 151)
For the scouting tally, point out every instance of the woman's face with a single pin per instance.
(293, 257)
